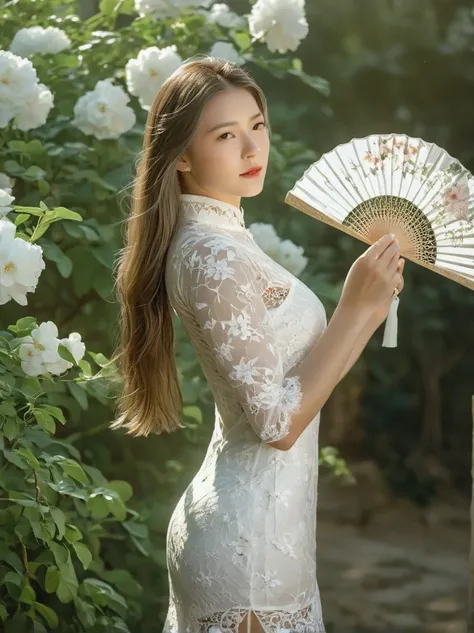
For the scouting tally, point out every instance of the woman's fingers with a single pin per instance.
(379, 246)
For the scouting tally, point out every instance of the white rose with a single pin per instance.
(36, 39)
(34, 111)
(21, 264)
(5, 200)
(40, 348)
(221, 14)
(291, 257)
(282, 24)
(75, 345)
(56, 367)
(17, 83)
(103, 112)
(5, 182)
(146, 74)
(39, 353)
(266, 238)
(225, 50)
(30, 357)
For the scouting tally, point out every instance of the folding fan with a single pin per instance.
(396, 184)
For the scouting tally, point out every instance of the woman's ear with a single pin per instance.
(183, 164)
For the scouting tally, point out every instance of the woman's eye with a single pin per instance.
(223, 135)
(261, 123)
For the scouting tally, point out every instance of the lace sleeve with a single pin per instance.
(225, 297)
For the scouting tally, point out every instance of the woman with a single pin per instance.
(241, 543)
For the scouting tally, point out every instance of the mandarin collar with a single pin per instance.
(216, 212)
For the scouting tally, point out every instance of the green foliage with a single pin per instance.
(79, 553)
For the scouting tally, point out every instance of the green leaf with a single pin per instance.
(193, 412)
(79, 394)
(14, 561)
(72, 533)
(23, 326)
(69, 488)
(67, 61)
(136, 529)
(67, 588)
(85, 367)
(74, 470)
(100, 359)
(15, 459)
(56, 412)
(3, 613)
(61, 213)
(66, 354)
(102, 501)
(242, 39)
(122, 488)
(60, 521)
(29, 210)
(7, 408)
(31, 387)
(60, 553)
(12, 428)
(42, 528)
(98, 590)
(45, 420)
(28, 455)
(48, 614)
(83, 553)
(34, 173)
(13, 168)
(123, 580)
(28, 595)
(52, 579)
(85, 613)
(53, 253)
(44, 187)
(21, 218)
(13, 583)
(297, 64)
(17, 146)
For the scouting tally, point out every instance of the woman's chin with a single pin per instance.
(252, 189)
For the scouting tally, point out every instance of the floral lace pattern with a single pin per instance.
(241, 542)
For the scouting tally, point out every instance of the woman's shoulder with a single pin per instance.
(199, 239)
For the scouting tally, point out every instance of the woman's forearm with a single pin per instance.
(319, 372)
(364, 337)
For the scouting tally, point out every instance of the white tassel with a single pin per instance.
(391, 325)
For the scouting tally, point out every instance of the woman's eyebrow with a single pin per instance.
(229, 123)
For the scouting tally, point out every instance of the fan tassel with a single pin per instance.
(391, 325)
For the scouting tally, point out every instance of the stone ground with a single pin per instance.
(385, 566)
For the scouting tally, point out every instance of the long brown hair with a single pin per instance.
(151, 400)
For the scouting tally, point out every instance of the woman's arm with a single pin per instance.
(374, 322)
(364, 337)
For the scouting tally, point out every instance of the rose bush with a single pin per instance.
(74, 96)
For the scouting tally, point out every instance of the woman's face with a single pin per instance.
(231, 137)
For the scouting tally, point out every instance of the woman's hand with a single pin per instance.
(380, 314)
(372, 279)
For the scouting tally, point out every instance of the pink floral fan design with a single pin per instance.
(396, 184)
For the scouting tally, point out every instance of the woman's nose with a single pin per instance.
(250, 149)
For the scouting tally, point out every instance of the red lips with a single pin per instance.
(253, 171)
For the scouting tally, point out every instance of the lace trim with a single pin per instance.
(209, 207)
(302, 621)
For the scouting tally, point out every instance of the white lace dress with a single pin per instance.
(242, 538)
